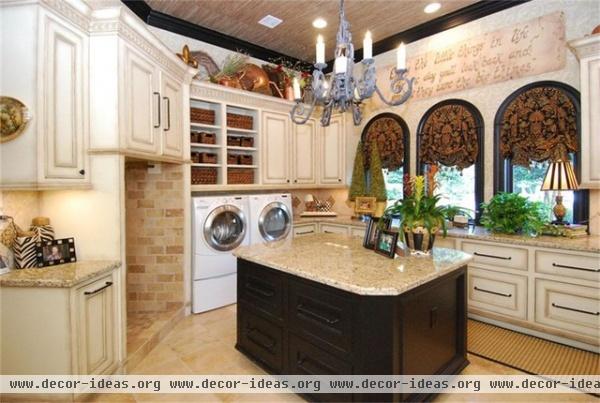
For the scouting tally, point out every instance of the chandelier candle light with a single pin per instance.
(342, 90)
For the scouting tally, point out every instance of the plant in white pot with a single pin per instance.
(420, 217)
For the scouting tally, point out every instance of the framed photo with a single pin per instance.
(365, 205)
(371, 233)
(394, 224)
(386, 243)
(55, 252)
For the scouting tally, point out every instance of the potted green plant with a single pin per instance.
(510, 213)
(452, 211)
(420, 217)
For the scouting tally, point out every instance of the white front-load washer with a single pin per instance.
(220, 224)
(270, 217)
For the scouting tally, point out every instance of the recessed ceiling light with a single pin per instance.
(432, 7)
(319, 23)
(270, 21)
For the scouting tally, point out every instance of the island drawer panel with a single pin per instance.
(499, 256)
(321, 315)
(585, 267)
(261, 339)
(333, 229)
(304, 230)
(261, 288)
(501, 293)
(568, 307)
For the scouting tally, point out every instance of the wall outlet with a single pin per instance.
(154, 168)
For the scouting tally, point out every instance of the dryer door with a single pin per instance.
(225, 228)
(275, 222)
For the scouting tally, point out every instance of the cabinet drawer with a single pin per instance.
(358, 232)
(441, 242)
(500, 293)
(261, 339)
(261, 288)
(323, 316)
(500, 256)
(305, 229)
(569, 307)
(585, 267)
(334, 229)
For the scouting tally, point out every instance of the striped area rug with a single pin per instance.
(528, 353)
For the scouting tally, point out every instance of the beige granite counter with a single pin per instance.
(342, 262)
(62, 276)
(587, 244)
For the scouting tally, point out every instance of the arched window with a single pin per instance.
(391, 134)
(537, 124)
(450, 141)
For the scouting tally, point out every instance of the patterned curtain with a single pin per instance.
(539, 125)
(389, 134)
(449, 136)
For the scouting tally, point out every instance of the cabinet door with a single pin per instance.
(333, 152)
(590, 122)
(141, 103)
(172, 116)
(96, 326)
(63, 94)
(304, 153)
(276, 146)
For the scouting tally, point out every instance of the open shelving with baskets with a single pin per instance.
(224, 144)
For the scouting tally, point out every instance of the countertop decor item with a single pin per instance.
(42, 229)
(420, 217)
(560, 176)
(318, 208)
(342, 91)
(386, 243)
(55, 252)
(14, 117)
(371, 233)
(510, 213)
(365, 205)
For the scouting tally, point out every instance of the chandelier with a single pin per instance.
(342, 90)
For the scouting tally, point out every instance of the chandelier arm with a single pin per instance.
(399, 85)
(299, 113)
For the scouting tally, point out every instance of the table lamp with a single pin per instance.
(560, 176)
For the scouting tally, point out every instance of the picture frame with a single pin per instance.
(371, 233)
(365, 205)
(55, 252)
(386, 243)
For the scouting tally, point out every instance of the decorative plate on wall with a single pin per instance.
(14, 117)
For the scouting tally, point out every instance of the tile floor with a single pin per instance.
(203, 344)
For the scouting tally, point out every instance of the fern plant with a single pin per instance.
(510, 213)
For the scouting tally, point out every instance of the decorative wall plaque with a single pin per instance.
(388, 131)
(539, 124)
(449, 135)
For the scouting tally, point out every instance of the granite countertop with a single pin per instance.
(62, 276)
(590, 243)
(341, 261)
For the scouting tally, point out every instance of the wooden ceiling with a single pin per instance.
(295, 36)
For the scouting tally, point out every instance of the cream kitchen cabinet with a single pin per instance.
(304, 153)
(48, 72)
(587, 51)
(276, 146)
(332, 152)
(172, 116)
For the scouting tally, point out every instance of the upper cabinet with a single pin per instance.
(588, 53)
(304, 153)
(333, 152)
(276, 142)
(172, 116)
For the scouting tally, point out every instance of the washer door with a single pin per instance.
(275, 222)
(225, 228)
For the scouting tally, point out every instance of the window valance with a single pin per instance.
(388, 131)
(539, 124)
(449, 135)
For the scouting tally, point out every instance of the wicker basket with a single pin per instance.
(203, 138)
(205, 116)
(234, 141)
(240, 176)
(247, 142)
(204, 176)
(232, 159)
(240, 121)
(245, 159)
(207, 158)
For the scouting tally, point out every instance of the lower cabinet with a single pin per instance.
(71, 331)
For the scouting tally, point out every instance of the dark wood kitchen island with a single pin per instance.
(324, 305)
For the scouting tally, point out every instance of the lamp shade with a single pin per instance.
(560, 176)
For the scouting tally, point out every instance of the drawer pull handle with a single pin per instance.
(492, 256)
(493, 292)
(328, 232)
(575, 268)
(315, 315)
(305, 232)
(156, 126)
(259, 291)
(108, 284)
(320, 367)
(575, 309)
(250, 331)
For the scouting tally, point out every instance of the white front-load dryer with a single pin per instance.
(220, 224)
(270, 217)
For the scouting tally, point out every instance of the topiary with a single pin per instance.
(376, 180)
(358, 187)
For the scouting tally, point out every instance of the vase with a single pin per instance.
(419, 240)
(289, 93)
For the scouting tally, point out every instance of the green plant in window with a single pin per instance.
(358, 187)
(510, 213)
(451, 211)
(376, 180)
